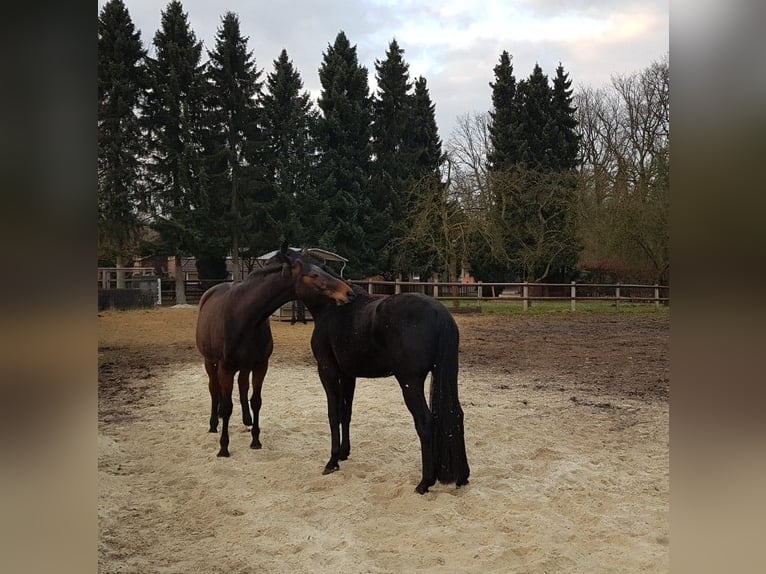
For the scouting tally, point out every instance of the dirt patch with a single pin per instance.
(566, 431)
(616, 354)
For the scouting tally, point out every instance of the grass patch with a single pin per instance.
(513, 307)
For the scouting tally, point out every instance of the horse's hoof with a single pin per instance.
(255, 445)
(420, 489)
(343, 457)
(213, 429)
(460, 483)
(248, 422)
(223, 452)
(330, 469)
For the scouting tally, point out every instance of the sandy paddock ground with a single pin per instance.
(569, 457)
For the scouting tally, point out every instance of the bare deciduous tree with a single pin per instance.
(438, 228)
(467, 150)
(466, 158)
(624, 193)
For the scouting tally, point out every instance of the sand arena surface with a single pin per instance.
(566, 431)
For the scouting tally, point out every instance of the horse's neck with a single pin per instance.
(258, 297)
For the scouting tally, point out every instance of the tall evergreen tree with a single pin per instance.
(174, 118)
(121, 79)
(392, 114)
(535, 112)
(420, 256)
(531, 183)
(565, 143)
(423, 133)
(504, 127)
(343, 137)
(235, 147)
(288, 120)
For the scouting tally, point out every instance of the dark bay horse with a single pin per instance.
(233, 331)
(409, 336)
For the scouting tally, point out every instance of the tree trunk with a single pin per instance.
(533, 290)
(119, 260)
(235, 231)
(236, 275)
(453, 278)
(180, 285)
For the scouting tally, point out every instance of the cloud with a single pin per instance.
(452, 43)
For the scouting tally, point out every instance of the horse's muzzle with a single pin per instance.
(347, 297)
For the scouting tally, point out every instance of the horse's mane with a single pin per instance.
(266, 270)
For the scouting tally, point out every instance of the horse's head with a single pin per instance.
(313, 284)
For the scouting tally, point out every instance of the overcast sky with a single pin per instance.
(454, 44)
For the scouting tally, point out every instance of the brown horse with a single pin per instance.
(233, 331)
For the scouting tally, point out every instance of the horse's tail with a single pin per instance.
(449, 441)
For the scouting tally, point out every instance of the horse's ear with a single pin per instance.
(304, 252)
(283, 246)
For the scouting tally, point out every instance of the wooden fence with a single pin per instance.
(476, 293)
(128, 288)
(527, 292)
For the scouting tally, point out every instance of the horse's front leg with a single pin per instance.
(331, 384)
(348, 384)
(226, 384)
(412, 389)
(243, 382)
(259, 373)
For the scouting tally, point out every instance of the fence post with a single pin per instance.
(656, 296)
(617, 295)
(525, 296)
(159, 291)
(478, 292)
(397, 286)
(369, 287)
(573, 294)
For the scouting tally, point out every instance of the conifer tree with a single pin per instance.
(565, 141)
(343, 137)
(121, 80)
(531, 180)
(174, 117)
(425, 189)
(236, 193)
(393, 167)
(288, 120)
(423, 133)
(504, 127)
(535, 111)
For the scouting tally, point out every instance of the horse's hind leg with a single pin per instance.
(226, 384)
(348, 384)
(215, 393)
(412, 389)
(259, 373)
(243, 381)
